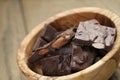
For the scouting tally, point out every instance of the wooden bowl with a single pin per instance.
(101, 70)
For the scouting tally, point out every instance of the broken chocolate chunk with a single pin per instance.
(64, 66)
(50, 65)
(89, 55)
(65, 50)
(82, 57)
(35, 57)
(59, 41)
(111, 36)
(92, 33)
(56, 65)
(48, 33)
(75, 58)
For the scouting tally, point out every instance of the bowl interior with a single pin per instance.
(72, 20)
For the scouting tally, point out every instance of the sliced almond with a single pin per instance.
(98, 45)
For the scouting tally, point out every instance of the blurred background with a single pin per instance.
(19, 17)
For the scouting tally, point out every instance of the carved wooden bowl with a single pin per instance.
(101, 70)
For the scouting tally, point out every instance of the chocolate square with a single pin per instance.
(48, 33)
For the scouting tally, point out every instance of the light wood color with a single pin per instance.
(101, 70)
(19, 17)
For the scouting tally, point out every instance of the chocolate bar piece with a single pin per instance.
(56, 65)
(50, 65)
(39, 42)
(92, 33)
(59, 41)
(48, 33)
(35, 56)
(75, 58)
(111, 36)
(64, 66)
(82, 57)
(91, 55)
(65, 50)
(61, 59)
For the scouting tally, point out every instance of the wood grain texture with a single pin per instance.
(18, 17)
(11, 33)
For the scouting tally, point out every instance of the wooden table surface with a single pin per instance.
(19, 17)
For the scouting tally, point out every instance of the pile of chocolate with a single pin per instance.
(60, 53)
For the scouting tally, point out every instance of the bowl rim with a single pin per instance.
(21, 61)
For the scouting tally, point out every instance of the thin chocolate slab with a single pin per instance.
(111, 36)
(48, 33)
(92, 33)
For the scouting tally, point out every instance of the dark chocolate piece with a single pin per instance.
(82, 57)
(91, 55)
(111, 36)
(56, 44)
(39, 42)
(97, 59)
(35, 55)
(63, 56)
(60, 40)
(65, 50)
(48, 33)
(64, 66)
(102, 52)
(92, 33)
(76, 58)
(56, 65)
(50, 65)
(63, 38)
